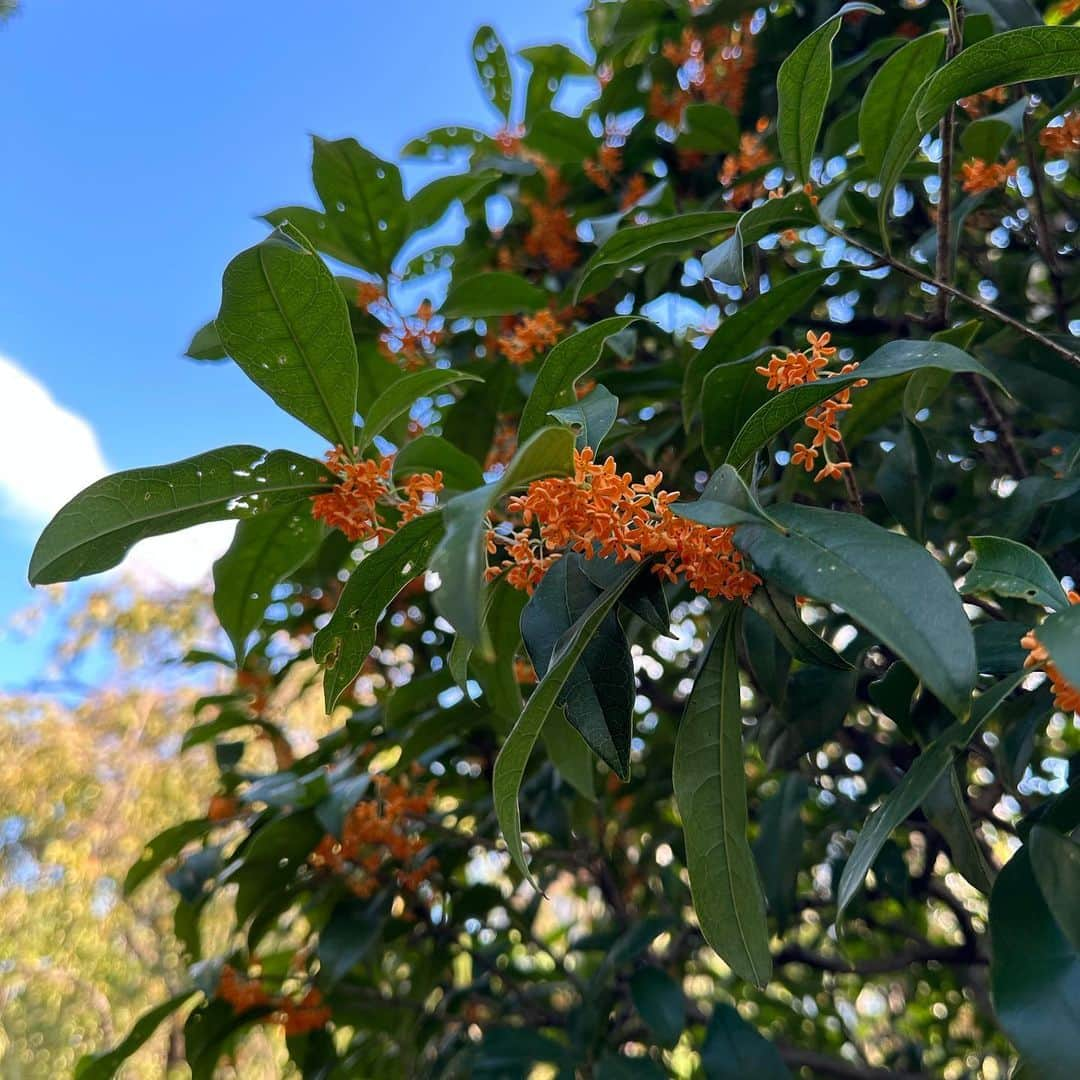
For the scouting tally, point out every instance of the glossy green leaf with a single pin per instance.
(817, 701)
(166, 845)
(570, 755)
(461, 559)
(1034, 973)
(778, 848)
(349, 935)
(710, 790)
(985, 136)
(895, 358)
(726, 262)
(916, 785)
(264, 550)
(891, 88)
(433, 453)
(598, 695)
(1007, 568)
(567, 362)
(730, 395)
(1055, 861)
(725, 501)
(630, 245)
(493, 70)
(561, 139)
(710, 129)
(839, 557)
(343, 644)
(739, 334)
(644, 596)
(905, 477)
(316, 228)
(495, 292)
(592, 416)
(514, 756)
(402, 394)
(285, 323)
(780, 611)
(802, 89)
(659, 1001)
(206, 344)
(734, 1050)
(1059, 634)
(427, 206)
(364, 201)
(946, 808)
(106, 1065)
(1021, 55)
(98, 526)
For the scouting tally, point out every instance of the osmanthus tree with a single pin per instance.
(688, 570)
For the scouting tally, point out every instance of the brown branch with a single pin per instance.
(878, 965)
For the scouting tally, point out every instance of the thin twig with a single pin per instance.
(958, 294)
(944, 262)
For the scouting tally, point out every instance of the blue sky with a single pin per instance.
(139, 141)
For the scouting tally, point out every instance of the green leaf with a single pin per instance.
(726, 501)
(741, 333)
(644, 596)
(1008, 568)
(946, 808)
(206, 344)
(725, 262)
(106, 1065)
(778, 848)
(710, 129)
(439, 143)
(1055, 861)
(570, 754)
(349, 935)
(781, 613)
(802, 89)
(1021, 55)
(513, 758)
(841, 558)
(364, 201)
(461, 559)
(561, 139)
(813, 711)
(433, 453)
(343, 644)
(1007, 14)
(562, 367)
(905, 477)
(659, 1001)
(1034, 973)
(593, 416)
(314, 226)
(493, 70)
(895, 358)
(163, 847)
(710, 790)
(427, 206)
(914, 787)
(598, 696)
(630, 245)
(733, 1049)
(985, 136)
(265, 549)
(285, 322)
(890, 90)
(96, 529)
(1059, 634)
(402, 394)
(495, 292)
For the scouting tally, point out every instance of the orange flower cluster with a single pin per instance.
(1064, 138)
(599, 511)
(636, 188)
(377, 834)
(369, 294)
(1066, 696)
(752, 155)
(552, 237)
(713, 68)
(222, 808)
(529, 336)
(412, 339)
(979, 176)
(975, 105)
(798, 368)
(296, 1017)
(607, 165)
(503, 444)
(508, 139)
(353, 505)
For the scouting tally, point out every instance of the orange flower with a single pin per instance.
(369, 293)
(975, 105)
(222, 808)
(296, 1017)
(417, 489)
(599, 511)
(529, 336)
(752, 155)
(833, 470)
(806, 456)
(607, 165)
(412, 339)
(352, 505)
(1066, 696)
(552, 237)
(1063, 138)
(979, 176)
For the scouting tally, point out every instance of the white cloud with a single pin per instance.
(48, 454)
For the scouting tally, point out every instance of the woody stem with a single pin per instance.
(943, 267)
(854, 495)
